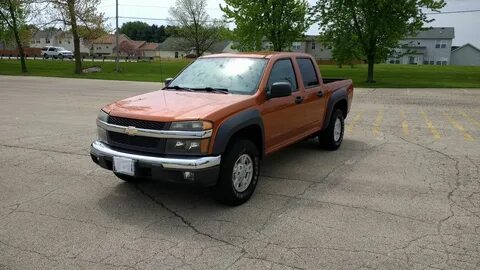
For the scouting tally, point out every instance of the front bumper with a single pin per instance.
(171, 169)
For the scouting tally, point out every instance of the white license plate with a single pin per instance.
(124, 165)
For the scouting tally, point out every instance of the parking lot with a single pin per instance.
(403, 192)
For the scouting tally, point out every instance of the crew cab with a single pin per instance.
(216, 120)
(56, 52)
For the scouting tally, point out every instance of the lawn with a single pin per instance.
(388, 76)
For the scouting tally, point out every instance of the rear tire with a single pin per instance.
(128, 178)
(332, 137)
(238, 173)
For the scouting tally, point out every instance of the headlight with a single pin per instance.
(191, 125)
(102, 133)
(187, 147)
(103, 116)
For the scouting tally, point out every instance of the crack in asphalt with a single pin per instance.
(43, 150)
(454, 188)
(350, 206)
(46, 256)
(69, 219)
(185, 221)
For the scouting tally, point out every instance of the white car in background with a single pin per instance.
(56, 52)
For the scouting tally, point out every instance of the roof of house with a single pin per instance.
(149, 46)
(131, 44)
(171, 44)
(136, 43)
(110, 39)
(435, 33)
(218, 47)
(47, 33)
(466, 45)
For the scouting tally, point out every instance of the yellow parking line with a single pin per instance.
(351, 125)
(430, 125)
(404, 123)
(378, 123)
(458, 126)
(469, 118)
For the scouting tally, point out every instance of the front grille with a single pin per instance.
(137, 143)
(127, 122)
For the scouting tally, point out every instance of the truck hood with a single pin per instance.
(166, 105)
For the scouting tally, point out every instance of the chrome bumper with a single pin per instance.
(195, 163)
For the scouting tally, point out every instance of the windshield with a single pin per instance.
(236, 75)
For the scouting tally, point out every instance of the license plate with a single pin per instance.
(124, 165)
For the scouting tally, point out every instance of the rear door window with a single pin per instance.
(282, 71)
(51, 49)
(309, 75)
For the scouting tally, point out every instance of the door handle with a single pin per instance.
(298, 100)
(320, 94)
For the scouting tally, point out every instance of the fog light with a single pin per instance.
(190, 176)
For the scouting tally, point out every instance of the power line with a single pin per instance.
(154, 19)
(453, 12)
(146, 6)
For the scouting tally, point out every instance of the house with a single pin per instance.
(148, 49)
(129, 47)
(105, 45)
(174, 47)
(466, 55)
(57, 38)
(431, 46)
(308, 44)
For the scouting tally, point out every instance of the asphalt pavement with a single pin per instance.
(403, 191)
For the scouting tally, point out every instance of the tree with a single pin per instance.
(135, 30)
(195, 26)
(142, 31)
(79, 15)
(13, 14)
(280, 21)
(374, 27)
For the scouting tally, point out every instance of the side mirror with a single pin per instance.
(168, 81)
(280, 89)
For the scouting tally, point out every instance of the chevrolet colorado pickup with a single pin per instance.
(213, 123)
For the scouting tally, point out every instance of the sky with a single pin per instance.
(466, 24)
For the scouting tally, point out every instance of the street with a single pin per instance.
(403, 191)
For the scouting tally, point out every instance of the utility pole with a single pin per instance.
(117, 60)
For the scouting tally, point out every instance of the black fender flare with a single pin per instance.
(336, 97)
(235, 123)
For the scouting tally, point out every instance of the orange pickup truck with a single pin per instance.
(213, 123)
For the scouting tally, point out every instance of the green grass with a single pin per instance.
(387, 76)
(130, 71)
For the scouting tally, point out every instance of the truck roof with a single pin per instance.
(265, 54)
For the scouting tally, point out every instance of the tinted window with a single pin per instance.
(51, 49)
(238, 75)
(282, 71)
(309, 75)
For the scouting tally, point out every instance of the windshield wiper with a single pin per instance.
(176, 87)
(213, 89)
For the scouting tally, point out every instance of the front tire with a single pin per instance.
(239, 173)
(332, 137)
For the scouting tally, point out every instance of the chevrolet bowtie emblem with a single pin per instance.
(132, 131)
